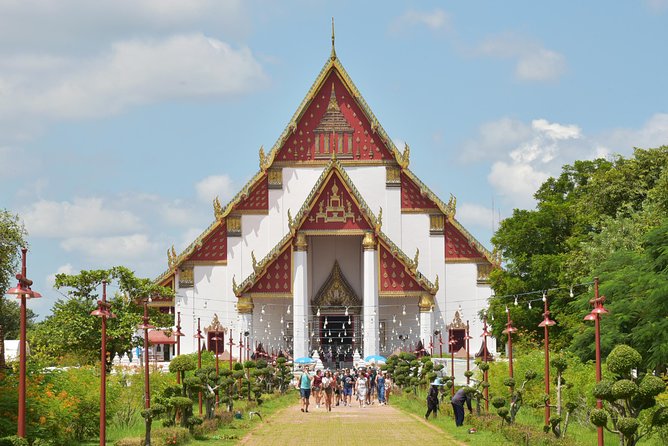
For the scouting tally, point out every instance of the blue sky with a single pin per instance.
(124, 119)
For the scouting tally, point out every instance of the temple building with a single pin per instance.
(334, 246)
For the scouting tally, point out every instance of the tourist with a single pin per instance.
(372, 384)
(380, 384)
(337, 386)
(432, 399)
(328, 384)
(304, 386)
(348, 383)
(388, 388)
(317, 388)
(458, 400)
(361, 388)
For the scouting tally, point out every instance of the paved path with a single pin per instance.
(369, 426)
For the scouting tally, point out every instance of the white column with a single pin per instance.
(300, 297)
(370, 296)
(426, 307)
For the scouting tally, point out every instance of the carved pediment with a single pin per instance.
(457, 322)
(336, 292)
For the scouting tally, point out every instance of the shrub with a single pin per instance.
(623, 389)
(13, 440)
(598, 417)
(603, 390)
(627, 426)
(170, 436)
(622, 359)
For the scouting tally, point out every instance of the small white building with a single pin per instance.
(335, 245)
(12, 350)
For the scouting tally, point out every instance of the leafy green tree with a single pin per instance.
(12, 239)
(78, 333)
(629, 401)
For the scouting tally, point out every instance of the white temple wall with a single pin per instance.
(396, 323)
(324, 250)
(462, 290)
(270, 331)
(415, 234)
(297, 184)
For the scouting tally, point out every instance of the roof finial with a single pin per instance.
(333, 54)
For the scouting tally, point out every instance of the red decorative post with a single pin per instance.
(103, 311)
(22, 291)
(241, 347)
(595, 316)
(485, 375)
(468, 353)
(199, 338)
(547, 322)
(452, 343)
(216, 339)
(231, 342)
(440, 344)
(147, 390)
(431, 345)
(509, 331)
(177, 335)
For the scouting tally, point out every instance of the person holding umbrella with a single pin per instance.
(432, 398)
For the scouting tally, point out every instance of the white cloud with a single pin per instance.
(470, 214)
(494, 139)
(434, 20)
(63, 269)
(517, 182)
(80, 217)
(188, 237)
(653, 133)
(215, 186)
(116, 249)
(130, 73)
(533, 62)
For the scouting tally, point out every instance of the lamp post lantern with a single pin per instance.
(199, 338)
(103, 311)
(22, 291)
(509, 331)
(468, 353)
(147, 391)
(177, 334)
(546, 323)
(595, 316)
(485, 374)
(452, 343)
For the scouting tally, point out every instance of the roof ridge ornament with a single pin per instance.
(333, 53)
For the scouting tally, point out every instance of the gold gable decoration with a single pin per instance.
(215, 326)
(336, 292)
(171, 257)
(457, 322)
(426, 302)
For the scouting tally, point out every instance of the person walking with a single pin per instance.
(328, 384)
(317, 388)
(305, 383)
(458, 401)
(432, 399)
(388, 388)
(348, 384)
(380, 384)
(361, 388)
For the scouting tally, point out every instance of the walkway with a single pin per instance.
(370, 426)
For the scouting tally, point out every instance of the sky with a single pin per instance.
(121, 120)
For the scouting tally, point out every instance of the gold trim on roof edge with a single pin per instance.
(297, 221)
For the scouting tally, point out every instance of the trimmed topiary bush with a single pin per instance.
(622, 359)
(624, 389)
(598, 417)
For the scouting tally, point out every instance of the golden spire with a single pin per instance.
(333, 54)
(333, 104)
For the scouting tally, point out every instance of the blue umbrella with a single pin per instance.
(375, 359)
(305, 360)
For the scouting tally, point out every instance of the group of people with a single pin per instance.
(365, 385)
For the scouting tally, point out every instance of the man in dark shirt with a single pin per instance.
(458, 405)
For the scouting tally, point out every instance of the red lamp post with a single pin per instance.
(452, 343)
(595, 316)
(147, 391)
(231, 343)
(177, 334)
(546, 323)
(22, 291)
(485, 376)
(241, 347)
(509, 331)
(431, 346)
(216, 339)
(199, 338)
(440, 344)
(103, 311)
(468, 353)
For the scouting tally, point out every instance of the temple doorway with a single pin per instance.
(336, 339)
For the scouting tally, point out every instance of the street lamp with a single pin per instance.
(103, 311)
(485, 374)
(147, 390)
(468, 353)
(452, 343)
(177, 335)
(199, 338)
(546, 323)
(595, 316)
(22, 291)
(509, 331)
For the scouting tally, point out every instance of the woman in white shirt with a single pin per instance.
(361, 389)
(328, 384)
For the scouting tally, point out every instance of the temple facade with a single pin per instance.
(334, 246)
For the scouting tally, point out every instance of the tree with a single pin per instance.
(627, 397)
(12, 239)
(78, 333)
